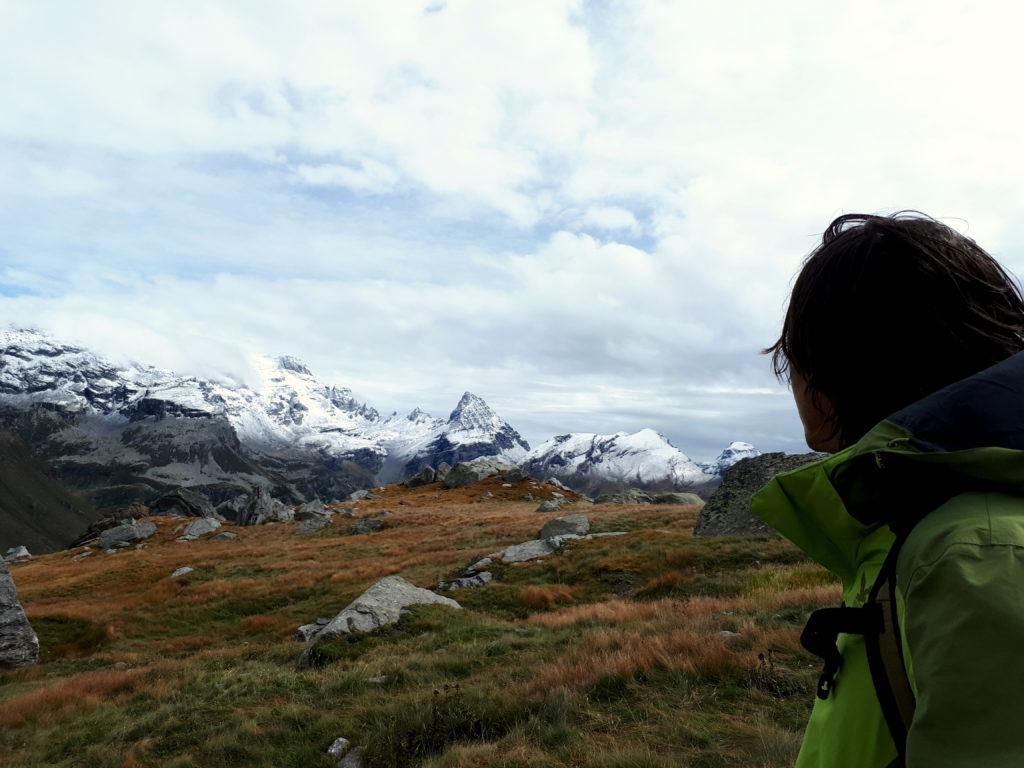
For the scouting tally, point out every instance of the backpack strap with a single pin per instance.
(878, 622)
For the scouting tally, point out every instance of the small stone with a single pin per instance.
(82, 555)
(728, 635)
(120, 666)
(479, 565)
(466, 582)
(183, 571)
(17, 553)
(377, 680)
(340, 746)
(224, 536)
(558, 495)
(506, 485)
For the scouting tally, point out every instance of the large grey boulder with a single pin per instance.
(530, 550)
(200, 527)
(570, 525)
(264, 508)
(380, 605)
(677, 498)
(425, 476)
(469, 472)
(183, 503)
(629, 496)
(727, 512)
(19, 646)
(129, 533)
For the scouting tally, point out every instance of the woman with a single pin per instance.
(902, 342)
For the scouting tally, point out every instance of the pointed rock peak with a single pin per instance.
(418, 414)
(293, 364)
(471, 406)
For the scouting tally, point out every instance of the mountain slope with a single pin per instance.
(35, 509)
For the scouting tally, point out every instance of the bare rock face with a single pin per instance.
(425, 476)
(19, 646)
(727, 512)
(264, 508)
(380, 605)
(183, 503)
(200, 527)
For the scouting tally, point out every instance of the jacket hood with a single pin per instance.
(968, 436)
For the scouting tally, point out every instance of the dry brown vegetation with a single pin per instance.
(613, 652)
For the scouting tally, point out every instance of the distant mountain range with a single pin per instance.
(129, 433)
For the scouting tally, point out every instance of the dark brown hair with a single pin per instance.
(889, 309)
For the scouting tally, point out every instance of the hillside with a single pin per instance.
(35, 509)
(647, 650)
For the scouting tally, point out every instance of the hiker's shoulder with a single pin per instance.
(968, 525)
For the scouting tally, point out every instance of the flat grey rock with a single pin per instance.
(224, 536)
(126, 534)
(354, 759)
(529, 550)
(380, 605)
(312, 510)
(630, 496)
(200, 527)
(727, 512)
(19, 646)
(578, 525)
(677, 498)
(185, 570)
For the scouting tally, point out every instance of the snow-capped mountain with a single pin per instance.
(736, 451)
(130, 432)
(127, 432)
(592, 463)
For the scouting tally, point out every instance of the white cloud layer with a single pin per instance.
(588, 212)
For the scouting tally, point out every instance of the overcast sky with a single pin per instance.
(588, 213)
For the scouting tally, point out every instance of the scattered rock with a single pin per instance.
(425, 476)
(366, 526)
(87, 552)
(224, 536)
(442, 471)
(466, 582)
(506, 485)
(571, 525)
(200, 527)
(312, 509)
(558, 484)
(403, 503)
(629, 496)
(362, 495)
(469, 472)
(263, 508)
(479, 565)
(529, 550)
(119, 666)
(728, 635)
(551, 505)
(19, 646)
(312, 525)
(183, 503)
(380, 680)
(339, 747)
(185, 570)
(516, 475)
(677, 498)
(380, 605)
(488, 495)
(727, 512)
(557, 495)
(126, 534)
(346, 512)
(17, 553)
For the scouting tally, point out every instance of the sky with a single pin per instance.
(589, 213)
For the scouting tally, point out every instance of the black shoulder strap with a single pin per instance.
(885, 653)
(878, 622)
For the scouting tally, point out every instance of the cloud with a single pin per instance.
(590, 212)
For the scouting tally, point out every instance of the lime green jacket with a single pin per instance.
(955, 460)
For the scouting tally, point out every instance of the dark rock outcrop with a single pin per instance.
(183, 503)
(19, 646)
(727, 512)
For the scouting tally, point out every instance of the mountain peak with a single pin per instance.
(472, 408)
(293, 364)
